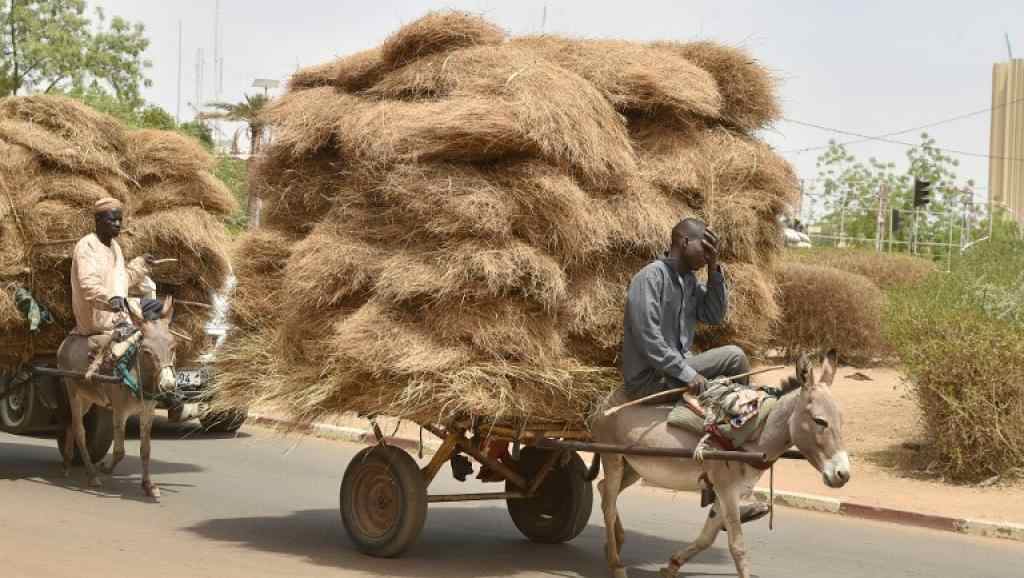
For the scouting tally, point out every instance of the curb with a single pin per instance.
(810, 502)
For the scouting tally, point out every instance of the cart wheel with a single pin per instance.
(560, 509)
(383, 501)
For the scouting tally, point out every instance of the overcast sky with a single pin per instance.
(868, 67)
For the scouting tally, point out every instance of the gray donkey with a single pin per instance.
(806, 416)
(156, 375)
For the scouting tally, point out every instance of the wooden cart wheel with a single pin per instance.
(561, 507)
(383, 501)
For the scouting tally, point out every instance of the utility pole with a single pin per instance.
(177, 106)
(883, 202)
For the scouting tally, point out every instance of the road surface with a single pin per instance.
(262, 505)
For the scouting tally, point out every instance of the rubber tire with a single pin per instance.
(223, 422)
(411, 506)
(27, 419)
(561, 507)
(99, 435)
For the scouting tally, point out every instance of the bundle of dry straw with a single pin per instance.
(57, 158)
(452, 219)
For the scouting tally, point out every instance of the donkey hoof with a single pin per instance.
(151, 490)
(619, 572)
(95, 482)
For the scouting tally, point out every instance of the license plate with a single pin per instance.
(189, 378)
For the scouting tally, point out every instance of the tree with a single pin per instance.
(850, 191)
(250, 112)
(52, 45)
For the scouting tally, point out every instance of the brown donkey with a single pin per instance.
(155, 368)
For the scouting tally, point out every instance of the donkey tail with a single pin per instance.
(594, 469)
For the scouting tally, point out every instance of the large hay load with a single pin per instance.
(58, 158)
(451, 219)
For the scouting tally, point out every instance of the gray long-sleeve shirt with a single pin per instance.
(662, 310)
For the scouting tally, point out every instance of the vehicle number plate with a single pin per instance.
(189, 377)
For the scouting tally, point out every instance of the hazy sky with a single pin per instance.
(868, 67)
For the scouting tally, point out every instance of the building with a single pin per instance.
(1006, 149)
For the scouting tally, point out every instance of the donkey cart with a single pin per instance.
(547, 490)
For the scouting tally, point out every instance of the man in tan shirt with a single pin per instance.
(100, 279)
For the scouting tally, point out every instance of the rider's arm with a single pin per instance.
(643, 306)
(713, 298)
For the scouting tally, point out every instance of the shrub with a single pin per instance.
(960, 337)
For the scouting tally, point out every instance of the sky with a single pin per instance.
(867, 67)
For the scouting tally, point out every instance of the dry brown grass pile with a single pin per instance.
(452, 221)
(825, 307)
(58, 158)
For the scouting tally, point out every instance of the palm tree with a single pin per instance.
(248, 111)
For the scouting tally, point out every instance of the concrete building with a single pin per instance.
(1006, 165)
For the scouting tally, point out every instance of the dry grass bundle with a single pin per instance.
(700, 166)
(823, 305)
(438, 32)
(11, 319)
(261, 257)
(58, 151)
(747, 88)
(633, 77)
(887, 270)
(192, 236)
(359, 70)
(164, 154)
(314, 76)
(201, 190)
(70, 119)
(529, 200)
(577, 129)
(16, 161)
(51, 221)
(298, 193)
(77, 192)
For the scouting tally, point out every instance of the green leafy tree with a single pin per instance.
(850, 190)
(53, 45)
(249, 111)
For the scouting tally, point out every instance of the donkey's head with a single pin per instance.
(157, 346)
(816, 426)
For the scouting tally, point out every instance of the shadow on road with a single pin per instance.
(456, 542)
(42, 464)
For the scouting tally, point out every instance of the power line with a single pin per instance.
(897, 142)
(916, 128)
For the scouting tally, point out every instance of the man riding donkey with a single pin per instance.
(663, 305)
(656, 409)
(114, 333)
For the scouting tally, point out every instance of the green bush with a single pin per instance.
(887, 270)
(960, 337)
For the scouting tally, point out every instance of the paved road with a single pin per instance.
(261, 505)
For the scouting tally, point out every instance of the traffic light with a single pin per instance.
(922, 192)
(897, 221)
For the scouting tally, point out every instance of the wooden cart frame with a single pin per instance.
(384, 497)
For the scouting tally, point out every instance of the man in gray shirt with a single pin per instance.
(664, 304)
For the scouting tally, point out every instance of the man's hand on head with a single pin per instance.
(710, 244)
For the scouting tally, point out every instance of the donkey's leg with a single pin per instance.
(712, 526)
(609, 487)
(120, 420)
(145, 428)
(729, 499)
(68, 454)
(629, 477)
(79, 408)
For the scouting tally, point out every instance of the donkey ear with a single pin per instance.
(829, 365)
(168, 311)
(805, 370)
